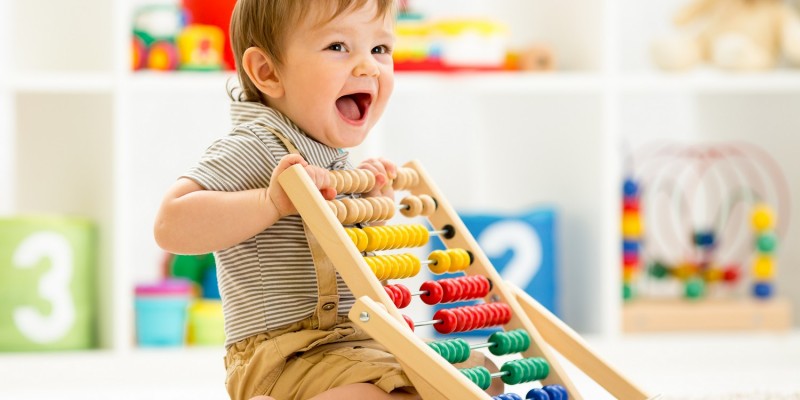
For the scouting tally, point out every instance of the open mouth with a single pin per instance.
(353, 107)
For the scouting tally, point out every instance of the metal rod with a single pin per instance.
(426, 323)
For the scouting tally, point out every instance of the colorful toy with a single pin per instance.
(216, 14)
(709, 211)
(200, 48)
(155, 28)
(48, 266)
(161, 313)
(731, 34)
(449, 44)
(358, 253)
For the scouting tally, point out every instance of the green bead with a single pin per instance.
(627, 291)
(462, 350)
(658, 270)
(766, 242)
(695, 288)
(526, 340)
(479, 375)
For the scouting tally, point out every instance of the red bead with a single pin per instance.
(630, 259)
(630, 204)
(435, 292)
(731, 274)
(485, 285)
(449, 321)
(409, 321)
(462, 317)
(405, 295)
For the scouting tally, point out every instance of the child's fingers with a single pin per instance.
(321, 177)
(389, 167)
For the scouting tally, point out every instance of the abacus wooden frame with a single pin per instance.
(433, 377)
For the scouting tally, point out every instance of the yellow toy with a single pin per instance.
(731, 34)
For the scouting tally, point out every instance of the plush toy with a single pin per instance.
(732, 34)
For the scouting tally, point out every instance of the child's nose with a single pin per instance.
(367, 66)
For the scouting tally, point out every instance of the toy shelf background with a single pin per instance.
(82, 134)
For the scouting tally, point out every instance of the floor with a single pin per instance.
(674, 366)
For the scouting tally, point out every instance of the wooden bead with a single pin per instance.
(377, 208)
(347, 182)
(399, 182)
(414, 178)
(389, 208)
(414, 206)
(359, 181)
(364, 181)
(341, 210)
(352, 211)
(428, 205)
(369, 211)
(333, 207)
(335, 180)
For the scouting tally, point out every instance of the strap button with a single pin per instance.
(328, 306)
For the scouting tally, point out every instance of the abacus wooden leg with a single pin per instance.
(430, 373)
(567, 342)
(445, 215)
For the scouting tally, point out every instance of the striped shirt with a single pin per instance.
(268, 281)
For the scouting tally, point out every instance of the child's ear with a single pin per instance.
(261, 70)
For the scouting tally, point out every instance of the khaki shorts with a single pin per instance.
(299, 362)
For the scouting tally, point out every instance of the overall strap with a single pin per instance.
(328, 299)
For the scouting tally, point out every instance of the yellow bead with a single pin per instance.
(423, 237)
(441, 262)
(713, 274)
(416, 265)
(763, 268)
(403, 236)
(373, 238)
(395, 267)
(361, 244)
(762, 218)
(684, 271)
(352, 235)
(631, 224)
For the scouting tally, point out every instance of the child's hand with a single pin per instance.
(278, 197)
(385, 172)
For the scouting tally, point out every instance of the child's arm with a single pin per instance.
(192, 220)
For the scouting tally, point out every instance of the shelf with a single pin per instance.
(155, 81)
(497, 82)
(710, 80)
(61, 82)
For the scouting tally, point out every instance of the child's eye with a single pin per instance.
(336, 47)
(382, 49)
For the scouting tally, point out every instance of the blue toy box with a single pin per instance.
(521, 247)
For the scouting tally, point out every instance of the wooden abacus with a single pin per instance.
(530, 329)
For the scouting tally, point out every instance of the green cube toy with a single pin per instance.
(47, 283)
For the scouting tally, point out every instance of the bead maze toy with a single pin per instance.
(341, 229)
(693, 216)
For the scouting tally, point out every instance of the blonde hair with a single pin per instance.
(266, 23)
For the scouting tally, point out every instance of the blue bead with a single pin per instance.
(762, 290)
(507, 396)
(630, 246)
(704, 238)
(556, 392)
(537, 394)
(630, 188)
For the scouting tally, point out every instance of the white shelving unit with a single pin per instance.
(71, 111)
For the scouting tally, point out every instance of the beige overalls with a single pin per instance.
(313, 355)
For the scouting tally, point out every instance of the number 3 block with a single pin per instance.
(47, 284)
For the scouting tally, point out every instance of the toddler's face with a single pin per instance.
(338, 76)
